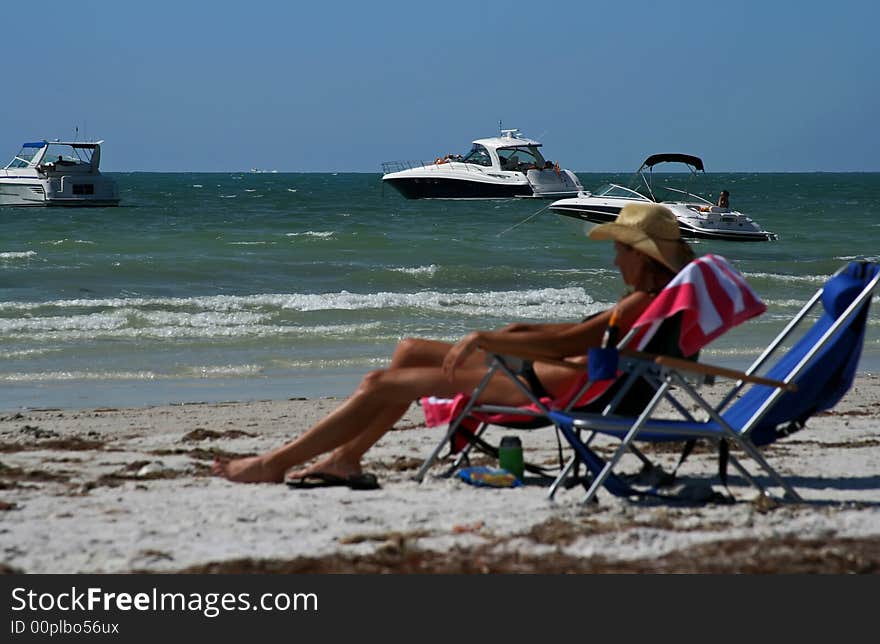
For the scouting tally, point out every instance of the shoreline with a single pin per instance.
(136, 394)
(118, 490)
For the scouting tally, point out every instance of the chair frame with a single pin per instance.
(496, 363)
(670, 371)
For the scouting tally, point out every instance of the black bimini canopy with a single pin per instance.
(654, 159)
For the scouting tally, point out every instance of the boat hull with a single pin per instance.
(599, 214)
(447, 188)
(689, 232)
(24, 192)
(457, 180)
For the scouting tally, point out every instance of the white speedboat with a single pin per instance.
(697, 217)
(57, 173)
(500, 167)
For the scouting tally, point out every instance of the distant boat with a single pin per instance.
(697, 217)
(499, 167)
(57, 173)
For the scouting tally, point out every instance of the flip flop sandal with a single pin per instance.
(363, 481)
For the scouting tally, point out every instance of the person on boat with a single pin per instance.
(449, 157)
(722, 205)
(649, 251)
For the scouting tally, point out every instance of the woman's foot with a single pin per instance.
(251, 469)
(333, 464)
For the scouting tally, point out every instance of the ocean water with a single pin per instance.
(209, 287)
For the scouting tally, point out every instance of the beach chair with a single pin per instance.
(810, 377)
(706, 298)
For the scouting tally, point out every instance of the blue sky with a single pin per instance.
(342, 86)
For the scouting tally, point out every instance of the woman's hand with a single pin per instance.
(459, 352)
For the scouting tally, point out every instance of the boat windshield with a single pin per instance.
(69, 154)
(478, 155)
(24, 158)
(520, 158)
(615, 191)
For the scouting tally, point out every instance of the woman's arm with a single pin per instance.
(519, 327)
(558, 342)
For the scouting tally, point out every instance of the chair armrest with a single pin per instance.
(670, 362)
(536, 357)
(707, 369)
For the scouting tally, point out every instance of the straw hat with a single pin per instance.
(651, 229)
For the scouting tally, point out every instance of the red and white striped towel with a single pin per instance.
(712, 296)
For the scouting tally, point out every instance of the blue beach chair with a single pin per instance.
(810, 377)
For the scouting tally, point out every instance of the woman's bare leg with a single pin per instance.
(346, 459)
(383, 397)
(412, 352)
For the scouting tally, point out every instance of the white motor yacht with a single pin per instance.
(57, 173)
(697, 217)
(500, 167)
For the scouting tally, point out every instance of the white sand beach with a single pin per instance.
(122, 490)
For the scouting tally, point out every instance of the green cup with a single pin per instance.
(510, 456)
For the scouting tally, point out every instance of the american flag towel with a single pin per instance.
(712, 297)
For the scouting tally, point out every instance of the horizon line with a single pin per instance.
(575, 171)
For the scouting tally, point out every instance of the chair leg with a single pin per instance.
(752, 451)
(745, 473)
(624, 445)
(465, 451)
(569, 466)
(746, 445)
(432, 457)
(570, 469)
(453, 426)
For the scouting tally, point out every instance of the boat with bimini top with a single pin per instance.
(697, 217)
(500, 167)
(57, 173)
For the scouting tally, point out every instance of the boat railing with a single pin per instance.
(400, 166)
(686, 193)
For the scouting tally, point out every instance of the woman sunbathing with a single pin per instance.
(649, 252)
